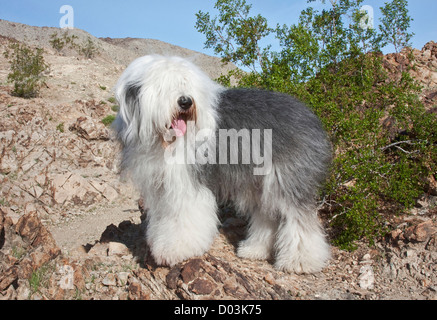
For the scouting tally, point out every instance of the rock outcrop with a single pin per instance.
(25, 247)
(423, 65)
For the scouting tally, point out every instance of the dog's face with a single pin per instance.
(185, 113)
(157, 94)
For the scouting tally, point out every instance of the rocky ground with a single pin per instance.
(70, 228)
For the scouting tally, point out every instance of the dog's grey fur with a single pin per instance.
(301, 150)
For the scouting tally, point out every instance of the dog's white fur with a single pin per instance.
(163, 81)
(182, 217)
(182, 213)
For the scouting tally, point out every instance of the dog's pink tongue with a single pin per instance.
(180, 127)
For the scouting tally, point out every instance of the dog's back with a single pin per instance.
(300, 150)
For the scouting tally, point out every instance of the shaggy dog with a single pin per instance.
(189, 144)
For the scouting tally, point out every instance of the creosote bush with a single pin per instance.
(88, 48)
(385, 142)
(60, 42)
(27, 69)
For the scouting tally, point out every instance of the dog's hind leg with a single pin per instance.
(300, 245)
(260, 239)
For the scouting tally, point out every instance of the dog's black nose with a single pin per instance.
(185, 102)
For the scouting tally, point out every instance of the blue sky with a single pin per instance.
(173, 21)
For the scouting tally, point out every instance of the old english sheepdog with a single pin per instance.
(190, 145)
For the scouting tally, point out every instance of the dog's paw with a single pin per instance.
(166, 261)
(300, 265)
(252, 251)
(169, 255)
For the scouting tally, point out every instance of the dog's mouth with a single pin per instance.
(181, 119)
(179, 125)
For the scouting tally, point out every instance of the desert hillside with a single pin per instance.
(71, 228)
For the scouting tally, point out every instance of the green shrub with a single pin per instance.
(27, 69)
(107, 121)
(60, 127)
(385, 142)
(40, 277)
(60, 42)
(57, 43)
(112, 100)
(88, 49)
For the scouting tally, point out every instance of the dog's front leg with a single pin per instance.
(181, 224)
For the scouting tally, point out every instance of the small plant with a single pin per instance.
(35, 281)
(60, 127)
(59, 43)
(18, 252)
(103, 88)
(112, 100)
(108, 120)
(39, 278)
(115, 108)
(88, 49)
(27, 69)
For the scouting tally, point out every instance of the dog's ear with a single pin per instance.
(131, 95)
(127, 122)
